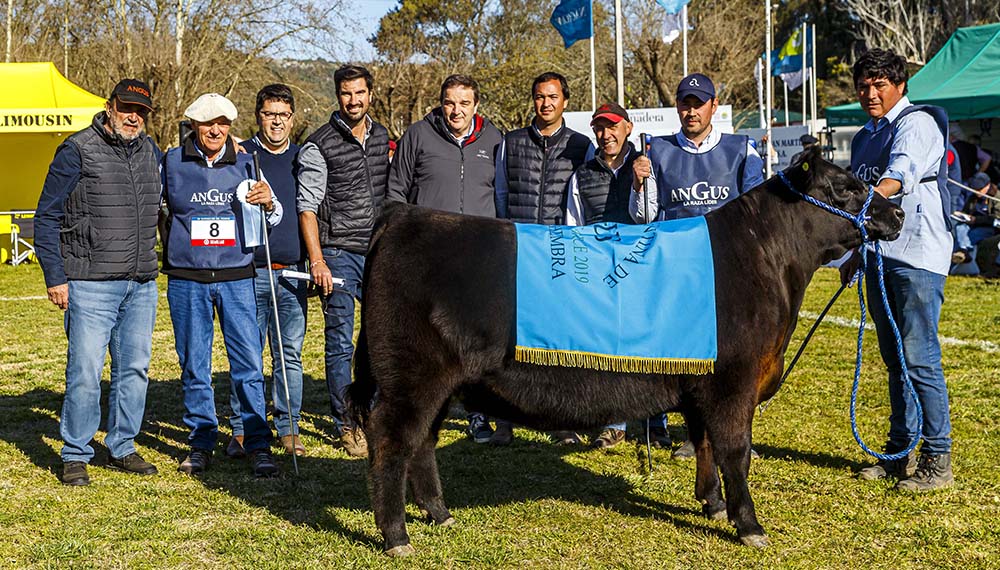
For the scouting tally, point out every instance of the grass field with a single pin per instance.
(531, 505)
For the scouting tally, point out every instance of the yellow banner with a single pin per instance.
(50, 120)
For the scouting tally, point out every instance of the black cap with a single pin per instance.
(132, 91)
(610, 111)
(808, 139)
(698, 85)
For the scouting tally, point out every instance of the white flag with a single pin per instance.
(673, 24)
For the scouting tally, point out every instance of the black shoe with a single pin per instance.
(196, 462)
(235, 448)
(685, 451)
(659, 437)
(565, 438)
(75, 473)
(503, 435)
(897, 469)
(933, 472)
(262, 464)
(133, 463)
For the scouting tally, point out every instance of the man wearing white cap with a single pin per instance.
(212, 227)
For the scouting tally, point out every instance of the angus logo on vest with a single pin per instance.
(868, 174)
(213, 197)
(700, 194)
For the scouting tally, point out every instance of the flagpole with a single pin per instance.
(619, 56)
(684, 34)
(805, 78)
(786, 101)
(814, 107)
(767, 77)
(593, 67)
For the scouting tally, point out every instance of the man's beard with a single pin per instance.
(117, 127)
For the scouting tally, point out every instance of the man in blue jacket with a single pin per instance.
(212, 194)
(95, 236)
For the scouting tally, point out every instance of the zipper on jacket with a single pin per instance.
(138, 222)
(541, 181)
(461, 178)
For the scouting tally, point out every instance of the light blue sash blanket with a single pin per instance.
(617, 297)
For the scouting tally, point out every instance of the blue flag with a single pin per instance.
(573, 20)
(673, 6)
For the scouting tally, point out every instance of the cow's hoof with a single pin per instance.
(755, 540)
(450, 521)
(401, 551)
(714, 512)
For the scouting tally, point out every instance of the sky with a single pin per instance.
(367, 13)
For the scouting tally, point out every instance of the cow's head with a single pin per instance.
(832, 185)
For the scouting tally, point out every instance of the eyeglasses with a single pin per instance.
(270, 116)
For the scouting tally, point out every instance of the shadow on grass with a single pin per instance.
(472, 475)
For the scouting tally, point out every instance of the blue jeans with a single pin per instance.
(915, 297)
(338, 314)
(659, 420)
(115, 317)
(192, 308)
(291, 294)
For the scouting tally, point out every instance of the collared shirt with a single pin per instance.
(274, 216)
(500, 181)
(461, 140)
(312, 173)
(915, 155)
(753, 170)
(574, 204)
(256, 139)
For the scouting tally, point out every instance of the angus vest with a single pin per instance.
(691, 184)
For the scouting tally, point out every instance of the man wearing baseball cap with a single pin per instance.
(210, 191)
(695, 171)
(95, 237)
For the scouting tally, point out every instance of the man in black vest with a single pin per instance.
(599, 190)
(343, 168)
(535, 163)
(275, 120)
(95, 234)
(533, 166)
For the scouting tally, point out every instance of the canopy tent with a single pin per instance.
(963, 77)
(39, 110)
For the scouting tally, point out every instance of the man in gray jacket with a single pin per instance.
(446, 162)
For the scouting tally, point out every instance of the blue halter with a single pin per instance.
(859, 222)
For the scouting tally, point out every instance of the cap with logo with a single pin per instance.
(210, 106)
(132, 91)
(612, 112)
(698, 85)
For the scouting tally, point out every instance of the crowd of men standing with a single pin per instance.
(109, 187)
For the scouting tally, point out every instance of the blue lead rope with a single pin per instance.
(859, 223)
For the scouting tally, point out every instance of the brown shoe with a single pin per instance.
(565, 438)
(933, 472)
(896, 469)
(610, 437)
(292, 443)
(353, 441)
(235, 448)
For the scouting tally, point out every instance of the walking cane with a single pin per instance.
(644, 151)
(277, 321)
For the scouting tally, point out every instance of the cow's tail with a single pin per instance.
(361, 392)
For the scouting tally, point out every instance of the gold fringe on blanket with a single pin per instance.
(612, 363)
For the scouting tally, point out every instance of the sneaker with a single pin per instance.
(959, 257)
(685, 451)
(293, 444)
(196, 462)
(75, 474)
(897, 469)
(354, 442)
(610, 437)
(479, 429)
(565, 438)
(503, 435)
(933, 472)
(235, 448)
(133, 463)
(659, 437)
(262, 464)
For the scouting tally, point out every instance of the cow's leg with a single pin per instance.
(729, 429)
(425, 483)
(707, 487)
(389, 451)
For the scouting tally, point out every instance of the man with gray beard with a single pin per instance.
(95, 233)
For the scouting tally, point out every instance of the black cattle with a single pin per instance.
(438, 320)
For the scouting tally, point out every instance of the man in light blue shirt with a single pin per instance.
(901, 152)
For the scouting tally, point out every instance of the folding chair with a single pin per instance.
(21, 250)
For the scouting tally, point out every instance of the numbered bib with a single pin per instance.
(213, 231)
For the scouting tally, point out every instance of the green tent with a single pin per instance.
(963, 77)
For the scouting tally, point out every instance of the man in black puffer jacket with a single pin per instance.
(95, 234)
(343, 168)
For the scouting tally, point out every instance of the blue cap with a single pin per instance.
(698, 85)
(978, 181)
